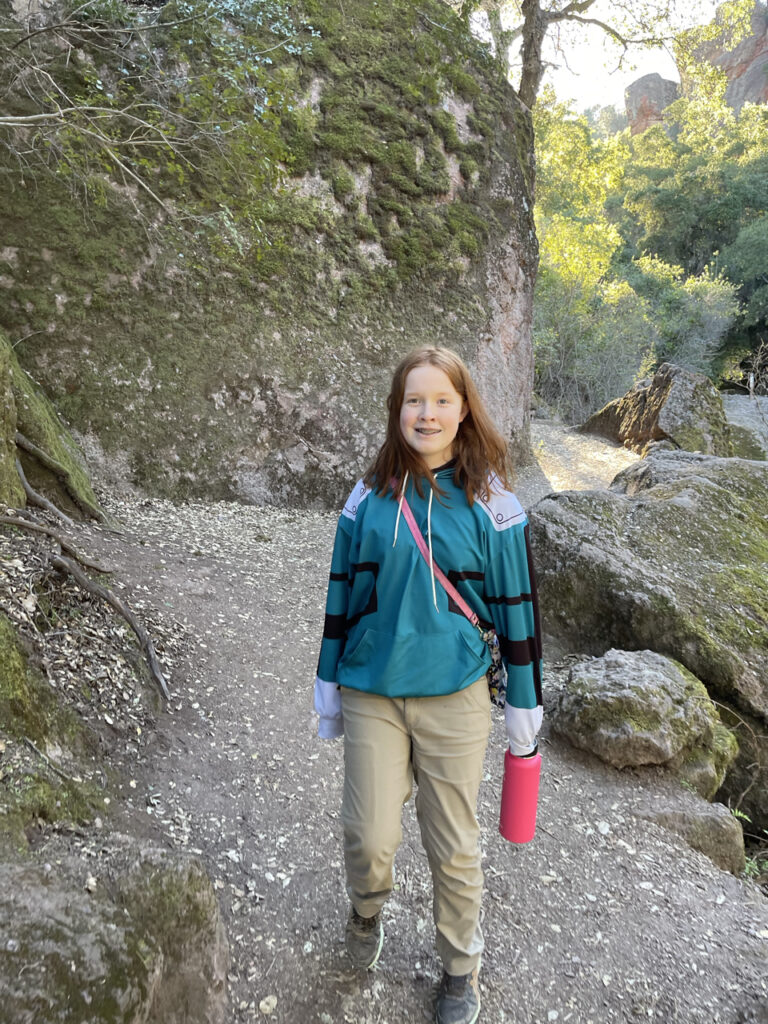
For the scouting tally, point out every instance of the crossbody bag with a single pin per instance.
(497, 674)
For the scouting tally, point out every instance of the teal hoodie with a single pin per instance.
(388, 631)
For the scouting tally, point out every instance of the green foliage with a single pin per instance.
(691, 315)
(678, 215)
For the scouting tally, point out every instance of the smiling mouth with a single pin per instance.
(426, 431)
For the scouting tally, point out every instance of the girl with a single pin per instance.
(402, 672)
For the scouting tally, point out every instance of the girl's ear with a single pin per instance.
(464, 410)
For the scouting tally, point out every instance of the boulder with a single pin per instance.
(675, 406)
(671, 559)
(748, 424)
(709, 828)
(133, 935)
(640, 708)
(646, 99)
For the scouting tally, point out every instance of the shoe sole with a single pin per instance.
(477, 1012)
(473, 1021)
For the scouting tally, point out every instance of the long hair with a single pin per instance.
(479, 448)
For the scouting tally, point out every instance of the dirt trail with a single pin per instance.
(604, 917)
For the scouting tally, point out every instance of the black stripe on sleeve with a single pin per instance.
(339, 576)
(335, 627)
(502, 599)
(521, 653)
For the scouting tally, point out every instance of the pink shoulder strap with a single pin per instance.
(442, 579)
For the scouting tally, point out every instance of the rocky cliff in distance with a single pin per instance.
(745, 66)
(646, 99)
(198, 363)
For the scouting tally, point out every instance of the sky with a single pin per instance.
(586, 70)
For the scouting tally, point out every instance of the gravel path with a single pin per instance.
(604, 917)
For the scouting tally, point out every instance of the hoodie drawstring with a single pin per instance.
(429, 544)
(429, 534)
(400, 506)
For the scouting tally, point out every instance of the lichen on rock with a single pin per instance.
(640, 708)
(142, 939)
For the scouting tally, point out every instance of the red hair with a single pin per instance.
(479, 449)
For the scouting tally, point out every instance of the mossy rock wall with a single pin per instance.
(30, 712)
(205, 364)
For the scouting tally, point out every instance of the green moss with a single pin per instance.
(11, 491)
(29, 711)
(745, 444)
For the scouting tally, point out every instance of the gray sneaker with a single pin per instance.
(364, 938)
(458, 999)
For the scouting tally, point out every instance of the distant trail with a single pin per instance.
(605, 917)
(568, 461)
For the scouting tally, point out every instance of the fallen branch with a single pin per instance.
(38, 499)
(66, 565)
(67, 545)
(61, 472)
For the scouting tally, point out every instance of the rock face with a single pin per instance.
(646, 99)
(748, 425)
(671, 559)
(640, 708)
(675, 406)
(405, 218)
(709, 828)
(746, 65)
(143, 941)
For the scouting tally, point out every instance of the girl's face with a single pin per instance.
(430, 415)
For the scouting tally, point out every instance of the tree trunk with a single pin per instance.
(534, 29)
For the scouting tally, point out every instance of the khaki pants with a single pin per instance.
(440, 743)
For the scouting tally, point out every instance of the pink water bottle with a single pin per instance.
(519, 797)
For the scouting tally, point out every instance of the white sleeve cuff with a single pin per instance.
(523, 726)
(328, 707)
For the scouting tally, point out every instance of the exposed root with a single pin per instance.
(66, 565)
(66, 545)
(62, 473)
(37, 499)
